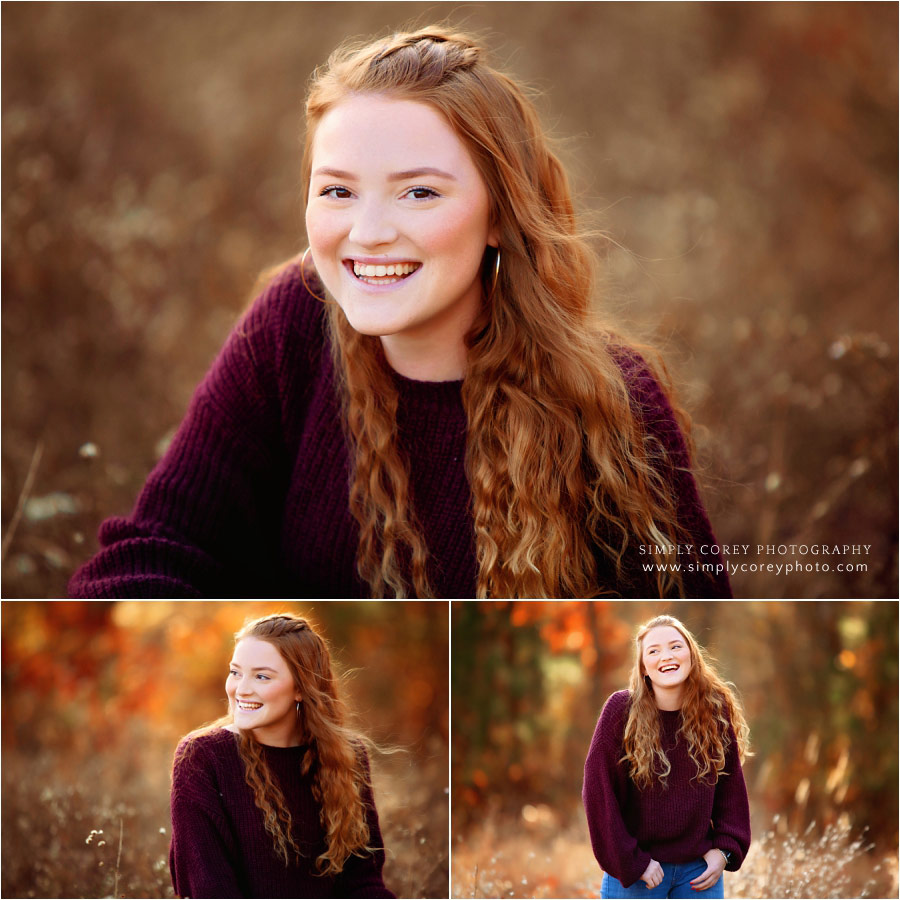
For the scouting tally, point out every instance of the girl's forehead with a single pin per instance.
(256, 652)
(662, 635)
(368, 132)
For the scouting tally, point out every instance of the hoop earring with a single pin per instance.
(496, 275)
(308, 288)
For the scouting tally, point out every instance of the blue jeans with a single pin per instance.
(676, 883)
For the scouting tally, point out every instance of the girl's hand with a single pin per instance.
(653, 875)
(715, 866)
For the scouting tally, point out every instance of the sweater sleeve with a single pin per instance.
(206, 522)
(604, 792)
(662, 428)
(731, 808)
(202, 842)
(361, 875)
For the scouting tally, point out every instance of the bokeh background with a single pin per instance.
(97, 694)
(741, 157)
(818, 681)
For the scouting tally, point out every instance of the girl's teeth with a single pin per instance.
(365, 271)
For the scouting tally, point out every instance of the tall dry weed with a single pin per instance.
(833, 864)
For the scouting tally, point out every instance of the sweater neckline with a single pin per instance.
(413, 385)
(285, 750)
(433, 397)
(269, 746)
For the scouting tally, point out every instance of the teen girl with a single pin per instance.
(275, 799)
(664, 793)
(423, 403)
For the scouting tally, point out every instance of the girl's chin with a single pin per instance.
(373, 326)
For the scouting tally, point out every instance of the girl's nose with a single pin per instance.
(372, 226)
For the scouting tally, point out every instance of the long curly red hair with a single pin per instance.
(709, 707)
(557, 459)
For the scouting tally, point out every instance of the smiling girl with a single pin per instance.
(275, 799)
(664, 792)
(423, 403)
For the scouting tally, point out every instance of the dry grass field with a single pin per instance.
(62, 825)
(538, 859)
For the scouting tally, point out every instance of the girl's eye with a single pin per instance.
(232, 672)
(335, 191)
(421, 193)
(264, 677)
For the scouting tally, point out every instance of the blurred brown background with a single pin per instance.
(743, 157)
(818, 681)
(97, 694)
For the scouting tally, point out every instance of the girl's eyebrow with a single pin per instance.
(335, 173)
(676, 641)
(424, 170)
(257, 669)
(394, 176)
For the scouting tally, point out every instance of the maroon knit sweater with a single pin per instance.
(674, 824)
(220, 847)
(252, 497)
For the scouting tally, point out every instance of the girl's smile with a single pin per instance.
(380, 271)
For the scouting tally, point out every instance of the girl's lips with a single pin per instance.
(248, 706)
(667, 669)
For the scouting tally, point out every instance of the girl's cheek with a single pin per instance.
(324, 228)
